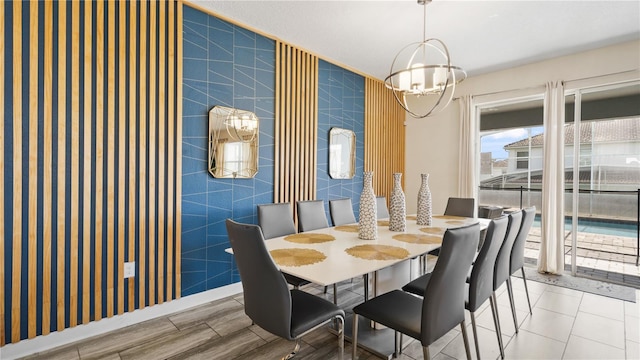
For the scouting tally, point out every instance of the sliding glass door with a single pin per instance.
(602, 180)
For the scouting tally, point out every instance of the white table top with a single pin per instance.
(339, 265)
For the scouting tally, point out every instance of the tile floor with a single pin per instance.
(566, 324)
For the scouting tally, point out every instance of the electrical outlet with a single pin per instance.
(129, 269)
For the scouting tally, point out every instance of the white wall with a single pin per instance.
(433, 143)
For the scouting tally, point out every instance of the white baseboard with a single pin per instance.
(81, 332)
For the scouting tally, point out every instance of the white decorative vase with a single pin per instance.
(368, 224)
(398, 210)
(424, 216)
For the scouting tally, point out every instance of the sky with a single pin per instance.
(496, 141)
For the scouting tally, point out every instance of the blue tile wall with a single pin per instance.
(340, 104)
(230, 66)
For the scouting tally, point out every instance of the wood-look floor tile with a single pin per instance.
(228, 347)
(171, 344)
(229, 321)
(60, 353)
(126, 338)
(205, 313)
(276, 350)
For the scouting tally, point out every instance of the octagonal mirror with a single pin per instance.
(233, 143)
(342, 153)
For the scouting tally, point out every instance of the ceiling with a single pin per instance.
(482, 36)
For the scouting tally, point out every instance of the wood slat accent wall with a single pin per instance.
(90, 135)
(296, 124)
(384, 134)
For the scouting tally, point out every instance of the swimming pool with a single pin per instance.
(599, 227)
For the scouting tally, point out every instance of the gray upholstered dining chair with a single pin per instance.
(268, 302)
(341, 212)
(517, 253)
(460, 207)
(501, 272)
(381, 208)
(463, 207)
(311, 215)
(480, 281)
(441, 309)
(277, 220)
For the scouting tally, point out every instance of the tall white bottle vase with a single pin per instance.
(398, 210)
(368, 222)
(424, 216)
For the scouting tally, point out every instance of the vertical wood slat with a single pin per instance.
(2, 185)
(122, 125)
(33, 164)
(111, 142)
(161, 151)
(75, 164)
(86, 190)
(48, 167)
(142, 147)
(178, 137)
(17, 173)
(296, 125)
(99, 133)
(384, 136)
(171, 151)
(133, 84)
(62, 133)
(153, 58)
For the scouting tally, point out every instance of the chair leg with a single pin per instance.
(335, 294)
(325, 289)
(340, 321)
(465, 338)
(496, 322)
(294, 352)
(475, 333)
(354, 337)
(513, 304)
(425, 353)
(524, 278)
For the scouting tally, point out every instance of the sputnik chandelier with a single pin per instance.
(422, 78)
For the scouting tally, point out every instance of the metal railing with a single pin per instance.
(523, 189)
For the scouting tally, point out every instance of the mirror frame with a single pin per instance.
(347, 166)
(234, 126)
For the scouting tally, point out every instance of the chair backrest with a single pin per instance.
(481, 281)
(311, 215)
(517, 253)
(443, 303)
(341, 212)
(460, 207)
(381, 206)
(267, 300)
(501, 271)
(276, 220)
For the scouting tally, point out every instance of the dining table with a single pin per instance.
(330, 255)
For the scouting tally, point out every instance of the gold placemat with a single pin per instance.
(377, 252)
(309, 238)
(449, 217)
(418, 239)
(347, 228)
(412, 217)
(433, 230)
(296, 257)
(383, 222)
(456, 222)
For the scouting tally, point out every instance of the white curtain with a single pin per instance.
(551, 256)
(467, 186)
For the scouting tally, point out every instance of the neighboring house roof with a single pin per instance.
(501, 163)
(593, 131)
